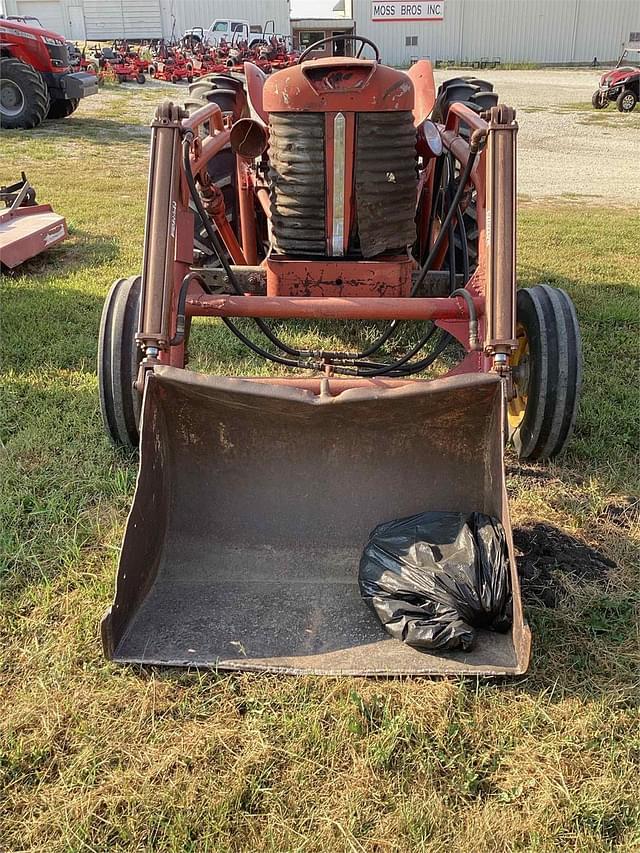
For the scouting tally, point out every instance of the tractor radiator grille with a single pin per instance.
(385, 183)
(296, 151)
(385, 177)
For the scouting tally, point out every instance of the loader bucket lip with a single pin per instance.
(292, 391)
(189, 594)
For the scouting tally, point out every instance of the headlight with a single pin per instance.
(48, 40)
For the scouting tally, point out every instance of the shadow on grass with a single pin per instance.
(81, 250)
(99, 128)
(78, 128)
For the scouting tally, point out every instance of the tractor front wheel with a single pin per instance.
(118, 361)
(24, 97)
(626, 101)
(60, 108)
(547, 373)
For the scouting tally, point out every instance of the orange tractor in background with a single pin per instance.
(336, 190)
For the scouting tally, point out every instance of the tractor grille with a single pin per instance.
(297, 180)
(385, 177)
(385, 184)
(59, 55)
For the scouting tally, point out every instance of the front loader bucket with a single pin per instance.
(254, 502)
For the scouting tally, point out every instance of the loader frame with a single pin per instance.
(274, 289)
(175, 291)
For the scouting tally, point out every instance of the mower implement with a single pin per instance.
(26, 228)
(341, 199)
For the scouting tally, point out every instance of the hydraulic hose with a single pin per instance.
(464, 246)
(474, 146)
(193, 190)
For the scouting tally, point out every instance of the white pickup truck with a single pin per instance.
(229, 30)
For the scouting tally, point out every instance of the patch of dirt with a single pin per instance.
(546, 555)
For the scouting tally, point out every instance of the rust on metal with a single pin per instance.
(332, 277)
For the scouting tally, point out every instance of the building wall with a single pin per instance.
(514, 30)
(301, 28)
(139, 19)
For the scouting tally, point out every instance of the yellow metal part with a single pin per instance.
(520, 366)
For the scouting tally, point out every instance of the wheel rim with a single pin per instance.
(520, 368)
(627, 102)
(11, 98)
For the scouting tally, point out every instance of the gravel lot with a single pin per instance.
(566, 149)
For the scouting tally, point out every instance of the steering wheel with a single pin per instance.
(331, 39)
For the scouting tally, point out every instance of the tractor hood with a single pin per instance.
(618, 75)
(338, 83)
(20, 30)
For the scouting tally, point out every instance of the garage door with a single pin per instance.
(48, 12)
(123, 19)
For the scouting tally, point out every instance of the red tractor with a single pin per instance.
(339, 189)
(622, 84)
(36, 80)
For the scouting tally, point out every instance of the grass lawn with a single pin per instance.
(96, 758)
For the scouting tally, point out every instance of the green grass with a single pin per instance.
(95, 758)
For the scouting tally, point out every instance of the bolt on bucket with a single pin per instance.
(253, 505)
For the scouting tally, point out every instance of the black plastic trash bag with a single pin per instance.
(435, 577)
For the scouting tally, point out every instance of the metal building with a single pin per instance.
(544, 31)
(145, 19)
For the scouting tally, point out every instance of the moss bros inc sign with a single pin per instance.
(403, 11)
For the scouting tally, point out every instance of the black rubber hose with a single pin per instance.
(219, 248)
(464, 246)
(452, 258)
(474, 147)
(462, 183)
(383, 370)
(287, 362)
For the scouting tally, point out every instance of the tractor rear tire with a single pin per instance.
(118, 360)
(550, 376)
(479, 96)
(222, 168)
(24, 97)
(230, 97)
(60, 108)
(626, 101)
